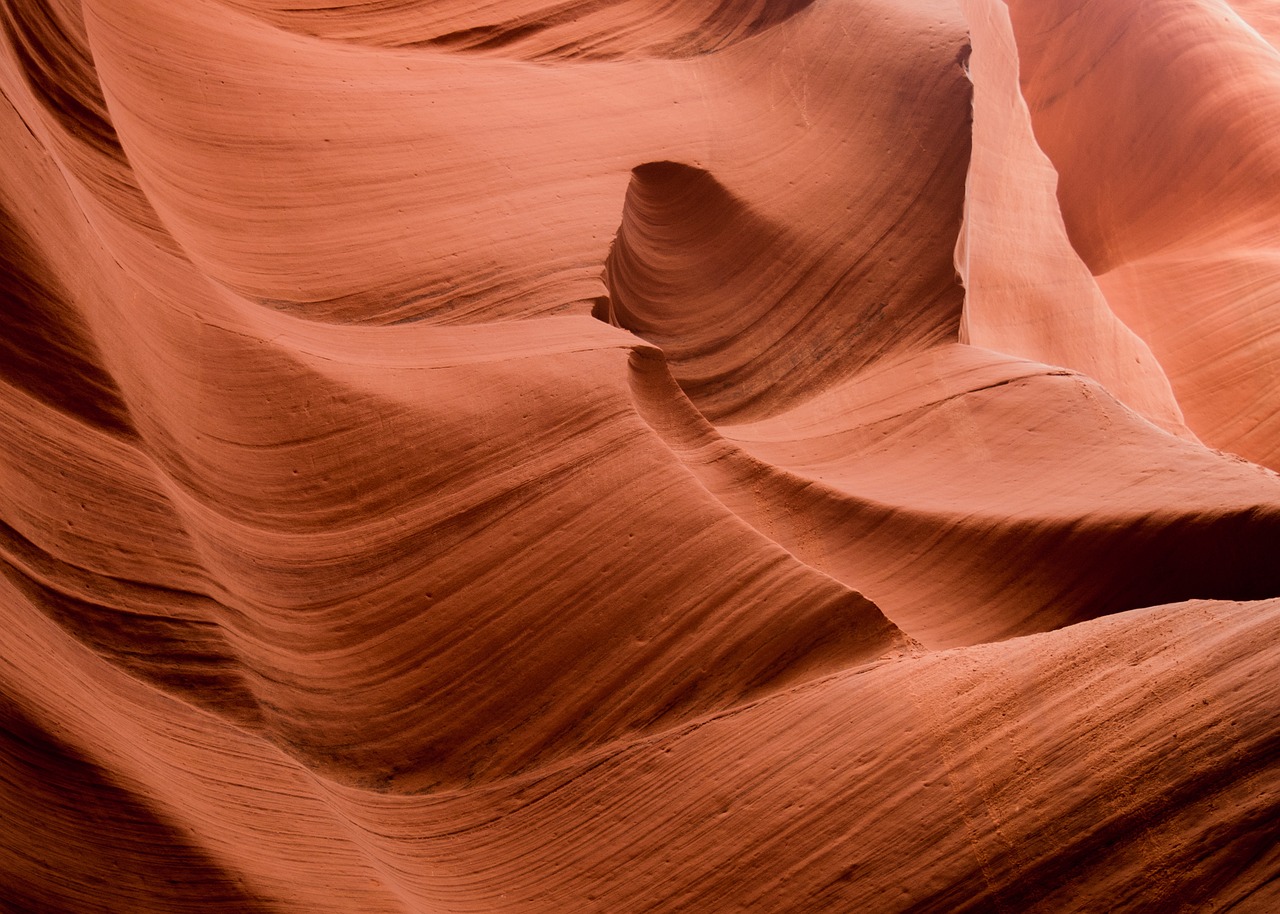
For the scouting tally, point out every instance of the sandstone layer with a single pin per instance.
(639, 455)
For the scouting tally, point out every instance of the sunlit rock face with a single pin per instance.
(639, 455)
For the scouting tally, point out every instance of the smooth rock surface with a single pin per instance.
(639, 455)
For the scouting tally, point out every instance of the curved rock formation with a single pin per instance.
(1168, 189)
(621, 455)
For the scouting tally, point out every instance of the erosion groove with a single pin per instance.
(694, 456)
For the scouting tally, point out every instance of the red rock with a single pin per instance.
(527, 456)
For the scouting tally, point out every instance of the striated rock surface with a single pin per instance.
(639, 455)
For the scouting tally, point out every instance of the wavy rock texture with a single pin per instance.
(639, 455)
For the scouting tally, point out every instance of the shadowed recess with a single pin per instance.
(57, 65)
(45, 350)
(542, 30)
(750, 317)
(166, 637)
(79, 820)
(51, 50)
